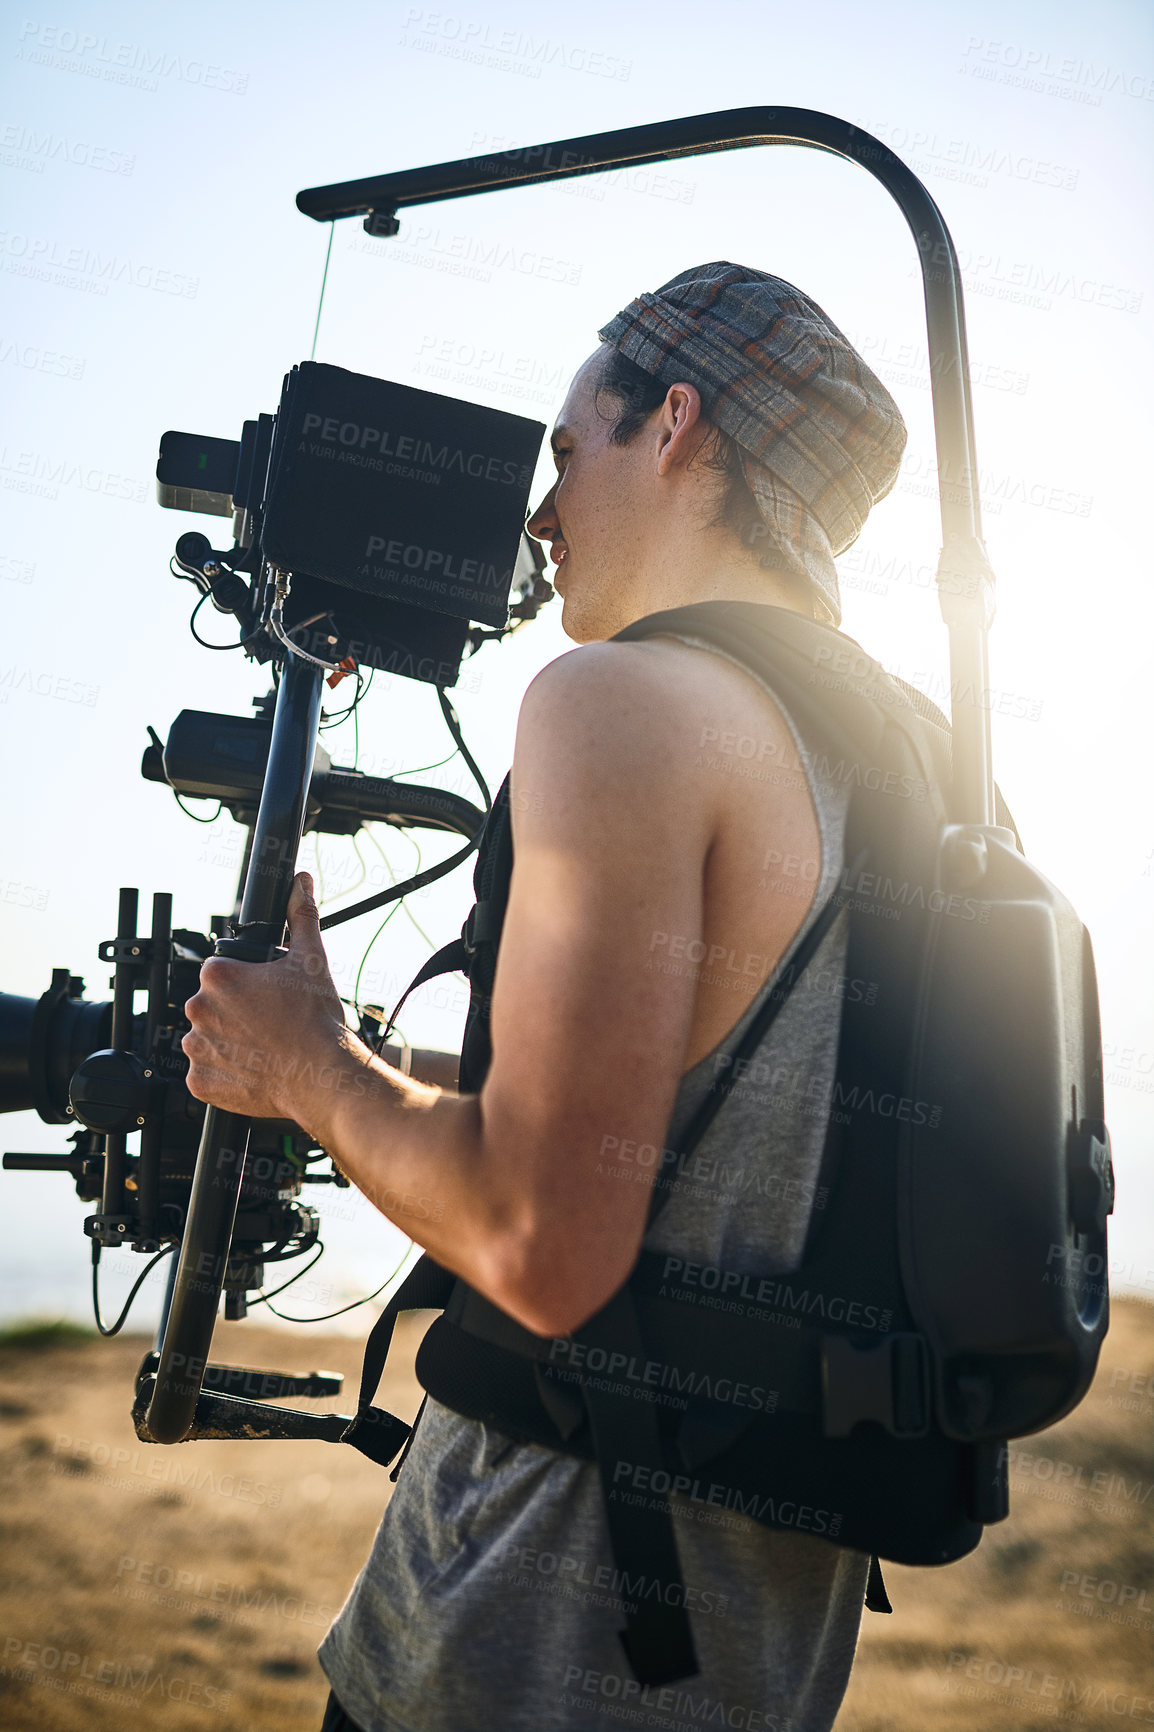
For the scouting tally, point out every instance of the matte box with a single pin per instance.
(402, 494)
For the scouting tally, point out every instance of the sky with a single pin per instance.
(155, 274)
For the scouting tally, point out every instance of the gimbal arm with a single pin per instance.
(224, 1136)
(965, 580)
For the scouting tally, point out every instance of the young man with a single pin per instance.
(723, 444)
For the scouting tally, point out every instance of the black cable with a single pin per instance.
(311, 1264)
(165, 1251)
(454, 727)
(203, 642)
(431, 873)
(328, 1315)
(396, 891)
(211, 819)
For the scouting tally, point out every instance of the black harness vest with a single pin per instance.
(857, 1423)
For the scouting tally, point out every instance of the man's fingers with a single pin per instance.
(304, 919)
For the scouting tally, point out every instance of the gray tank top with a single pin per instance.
(490, 1601)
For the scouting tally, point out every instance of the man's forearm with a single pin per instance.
(418, 1154)
(427, 1065)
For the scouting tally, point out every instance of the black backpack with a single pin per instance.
(942, 1305)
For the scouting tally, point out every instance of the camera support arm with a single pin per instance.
(965, 580)
(224, 1137)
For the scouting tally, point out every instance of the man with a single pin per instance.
(722, 444)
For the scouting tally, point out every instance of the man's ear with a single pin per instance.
(679, 427)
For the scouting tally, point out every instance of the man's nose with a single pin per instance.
(542, 523)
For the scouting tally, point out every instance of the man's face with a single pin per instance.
(595, 513)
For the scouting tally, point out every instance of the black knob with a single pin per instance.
(111, 1091)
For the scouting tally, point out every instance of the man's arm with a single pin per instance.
(511, 1189)
(426, 1064)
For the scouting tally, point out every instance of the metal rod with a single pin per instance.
(220, 1159)
(166, 1302)
(152, 1136)
(116, 1142)
(967, 615)
(243, 873)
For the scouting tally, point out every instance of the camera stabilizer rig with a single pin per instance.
(350, 549)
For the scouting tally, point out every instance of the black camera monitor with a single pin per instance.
(397, 492)
(398, 512)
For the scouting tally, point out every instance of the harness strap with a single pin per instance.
(373, 1431)
(448, 960)
(722, 1087)
(835, 1378)
(657, 1638)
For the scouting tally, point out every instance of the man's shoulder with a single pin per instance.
(622, 699)
(607, 736)
(661, 683)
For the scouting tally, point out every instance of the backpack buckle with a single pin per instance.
(482, 926)
(888, 1383)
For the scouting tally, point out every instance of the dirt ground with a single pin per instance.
(187, 1589)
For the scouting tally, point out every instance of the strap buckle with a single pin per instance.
(888, 1383)
(481, 927)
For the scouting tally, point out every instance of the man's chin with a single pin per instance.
(583, 621)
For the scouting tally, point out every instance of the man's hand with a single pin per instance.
(266, 1036)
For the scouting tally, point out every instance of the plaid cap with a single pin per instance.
(821, 438)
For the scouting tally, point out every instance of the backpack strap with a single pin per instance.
(373, 1431)
(722, 1087)
(657, 1637)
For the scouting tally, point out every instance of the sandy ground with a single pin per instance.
(188, 1588)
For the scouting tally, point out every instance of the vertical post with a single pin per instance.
(220, 1159)
(124, 980)
(152, 1136)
